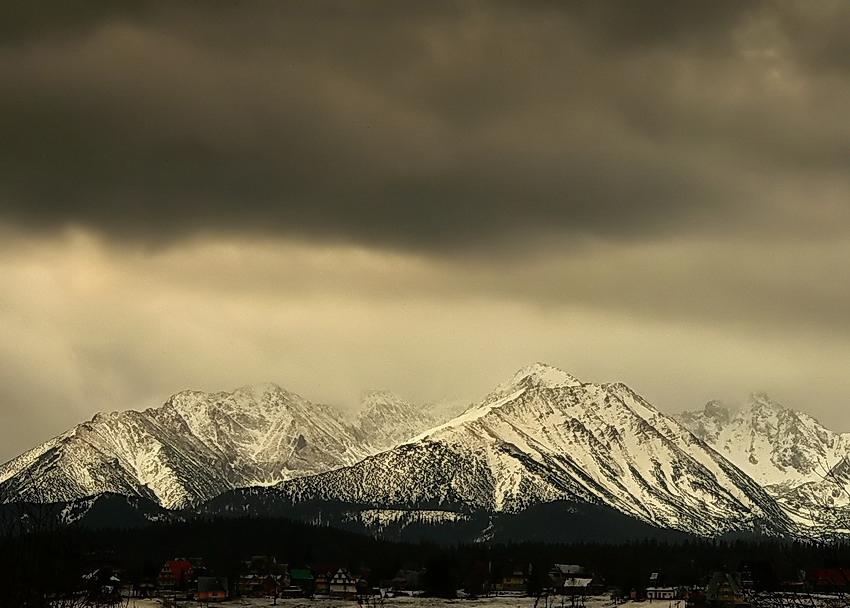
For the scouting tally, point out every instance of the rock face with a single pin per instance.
(198, 445)
(545, 436)
(799, 462)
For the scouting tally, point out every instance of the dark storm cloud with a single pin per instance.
(425, 125)
(25, 21)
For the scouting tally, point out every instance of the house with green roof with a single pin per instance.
(303, 579)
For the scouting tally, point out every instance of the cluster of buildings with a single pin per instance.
(724, 590)
(572, 579)
(260, 576)
(737, 589)
(264, 576)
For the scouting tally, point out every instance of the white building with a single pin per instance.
(662, 593)
(342, 585)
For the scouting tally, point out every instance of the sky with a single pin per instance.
(421, 197)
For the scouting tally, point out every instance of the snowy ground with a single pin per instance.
(399, 602)
(776, 601)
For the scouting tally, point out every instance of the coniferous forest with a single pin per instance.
(47, 561)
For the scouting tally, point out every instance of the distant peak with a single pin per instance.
(372, 395)
(259, 390)
(546, 376)
(717, 409)
(373, 399)
(763, 399)
(190, 400)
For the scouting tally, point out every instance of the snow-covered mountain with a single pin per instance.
(198, 445)
(796, 459)
(385, 420)
(774, 444)
(545, 436)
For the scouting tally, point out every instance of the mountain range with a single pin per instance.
(198, 445)
(541, 438)
(800, 463)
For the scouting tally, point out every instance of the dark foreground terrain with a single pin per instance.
(52, 559)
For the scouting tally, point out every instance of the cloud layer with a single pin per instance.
(422, 197)
(449, 125)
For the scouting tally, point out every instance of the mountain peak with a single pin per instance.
(543, 436)
(545, 376)
(373, 397)
(717, 410)
(761, 399)
(382, 404)
(535, 376)
(777, 446)
(260, 391)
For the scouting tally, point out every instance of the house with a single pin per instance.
(176, 574)
(263, 564)
(272, 585)
(561, 572)
(514, 578)
(582, 585)
(303, 579)
(322, 582)
(102, 586)
(212, 588)
(259, 585)
(342, 585)
(575, 585)
(725, 590)
(832, 579)
(404, 580)
(657, 590)
(247, 585)
(662, 593)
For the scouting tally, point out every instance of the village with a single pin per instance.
(263, 580)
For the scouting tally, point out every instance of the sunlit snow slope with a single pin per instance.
(199, 445)
(546, 436)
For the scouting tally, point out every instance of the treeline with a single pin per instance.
(44, 561)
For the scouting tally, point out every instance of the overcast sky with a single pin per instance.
(421, 197)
